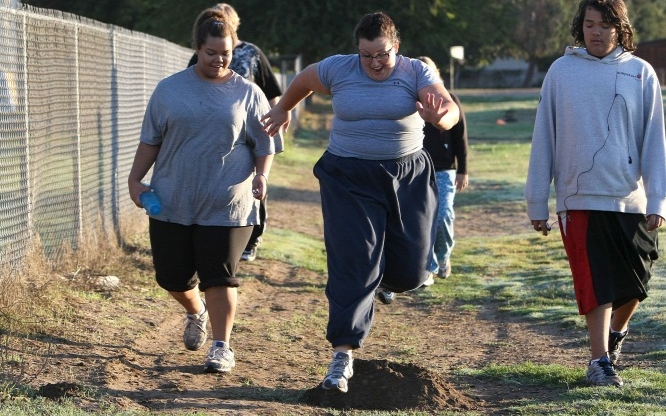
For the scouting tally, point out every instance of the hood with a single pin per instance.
(617, 56)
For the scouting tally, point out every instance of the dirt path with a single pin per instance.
(281, 352)
(130, 348)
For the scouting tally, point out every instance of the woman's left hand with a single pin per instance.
(461, 182)
(259, 187)
(432, 111)
(654, 221)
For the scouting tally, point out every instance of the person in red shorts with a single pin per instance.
(599, 136)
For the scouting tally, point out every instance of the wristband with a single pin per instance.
(264, 175)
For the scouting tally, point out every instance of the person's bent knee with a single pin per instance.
(219, 282)
(172, 285)
(400, 284)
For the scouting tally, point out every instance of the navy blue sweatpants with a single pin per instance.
(379, 227)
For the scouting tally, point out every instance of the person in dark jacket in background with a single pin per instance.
(448, 150)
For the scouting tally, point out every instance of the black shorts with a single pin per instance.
(187, 255)
(611, 256)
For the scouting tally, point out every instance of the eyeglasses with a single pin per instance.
(380, 57)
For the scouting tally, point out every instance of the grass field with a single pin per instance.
(528, 274)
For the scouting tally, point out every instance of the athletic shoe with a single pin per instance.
(615, 340)
(445, 270)
(339, 372)
(220, 358)
(429, 281)
(195, 333)
(249, 255)
(601, 372)
(385, 296)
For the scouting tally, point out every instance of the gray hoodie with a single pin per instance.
(599, 134)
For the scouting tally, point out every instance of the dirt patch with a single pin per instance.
(384, 385)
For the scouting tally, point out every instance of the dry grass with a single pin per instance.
(38, 297)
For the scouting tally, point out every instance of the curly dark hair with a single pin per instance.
(613, 12)
(214, 22)
(376, 25)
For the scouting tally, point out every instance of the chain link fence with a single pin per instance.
(72, 98)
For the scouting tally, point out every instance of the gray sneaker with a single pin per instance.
(444, 270)
(385, 296)
(249, 255)
(602, 373)
(195, 333)
(220, 358)
(615, 340)
(339, 371)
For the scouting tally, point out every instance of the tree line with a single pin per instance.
(534, 30)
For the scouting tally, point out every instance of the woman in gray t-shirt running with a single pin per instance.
(378, 190)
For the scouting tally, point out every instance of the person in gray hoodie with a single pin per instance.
(599, 137)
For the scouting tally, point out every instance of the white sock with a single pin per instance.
(620, 332)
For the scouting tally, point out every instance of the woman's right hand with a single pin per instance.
(136, 188)
(275, 119)
(541, 226)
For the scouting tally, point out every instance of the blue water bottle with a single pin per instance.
(150, 202)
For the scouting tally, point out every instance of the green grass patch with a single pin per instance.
(294, 248)
(482, 113)
(643, 394)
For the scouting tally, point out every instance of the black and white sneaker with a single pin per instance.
(249, 255)
(615, 340)
(602, 372)
(385, 296)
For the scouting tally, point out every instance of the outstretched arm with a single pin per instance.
(304, 84)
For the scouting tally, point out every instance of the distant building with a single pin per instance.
(655, 53)
(501, 73)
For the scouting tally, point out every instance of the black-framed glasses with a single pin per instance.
(382, 57)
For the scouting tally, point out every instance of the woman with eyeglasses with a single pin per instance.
(377, 183)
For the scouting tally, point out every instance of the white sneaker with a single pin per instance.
(195, 334)
(430, 281)
(339, 372)
(220, 358)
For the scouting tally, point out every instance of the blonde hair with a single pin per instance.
(428, 61)
(230, 15)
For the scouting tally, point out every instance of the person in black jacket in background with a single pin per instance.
(252, 64)
(448, 150)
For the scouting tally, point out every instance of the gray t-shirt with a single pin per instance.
(375, 120)
(209, 136)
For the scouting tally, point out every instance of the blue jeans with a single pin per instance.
(446, 184)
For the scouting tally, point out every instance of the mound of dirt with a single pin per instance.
(56, 391)
(384, 385)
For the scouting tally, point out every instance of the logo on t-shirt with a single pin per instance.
(637, 76)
